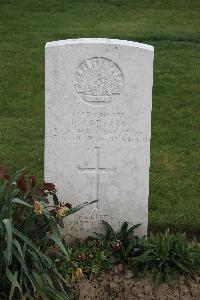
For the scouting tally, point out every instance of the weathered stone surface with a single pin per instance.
(98, 127)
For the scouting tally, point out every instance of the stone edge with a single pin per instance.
(99, 41)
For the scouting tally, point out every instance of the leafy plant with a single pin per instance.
(167, 256)
(195, 255)
(103, 251)
(89, 256)
(123, 243)
(29, 230)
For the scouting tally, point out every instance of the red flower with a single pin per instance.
(3, 174)
(33, 181)
(68, 205)
(81, 257)
(22, 183)
(47, 187)
(116, 245)
(50, 187)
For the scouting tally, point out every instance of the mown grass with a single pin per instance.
(172, 27)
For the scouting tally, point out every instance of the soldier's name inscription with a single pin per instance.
(87, 126)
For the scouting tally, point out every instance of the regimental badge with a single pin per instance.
(97, 80)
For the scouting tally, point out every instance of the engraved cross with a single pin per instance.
(96, 171)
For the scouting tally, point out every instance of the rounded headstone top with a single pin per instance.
(99, 41)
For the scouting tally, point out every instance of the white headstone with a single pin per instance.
(98, 127)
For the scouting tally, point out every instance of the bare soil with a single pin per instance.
(120, 284)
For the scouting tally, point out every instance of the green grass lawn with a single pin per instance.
(172, 27)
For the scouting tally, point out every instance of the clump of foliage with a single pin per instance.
(195, 255)
(89, 256)
(36, 261)
(167, 256)
(123, 243)
(104, 250)
(29, 235)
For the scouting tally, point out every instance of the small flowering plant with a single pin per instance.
(29, 230)
(122, 243)
(87, 258)
(102, 251)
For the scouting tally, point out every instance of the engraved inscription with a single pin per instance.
(84, 223)
(97, 79)
(96, 171)
(87, 126)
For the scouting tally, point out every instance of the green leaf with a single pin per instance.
(123, 230)
(12, 289)
(128, 249)
(19, 248)
(182, 266)
(132, 228)
(109, 229)
(16, 200)
(40, 285)
(8, 227)
(55, 199)
(13, 279)
(17, 251)
(48, 279)
(42, 256)
(56, 238)
(21, 260)
(80, 206)
(60, 276)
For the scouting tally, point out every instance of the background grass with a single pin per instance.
(172, 27)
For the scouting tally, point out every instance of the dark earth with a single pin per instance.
(120, 284)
